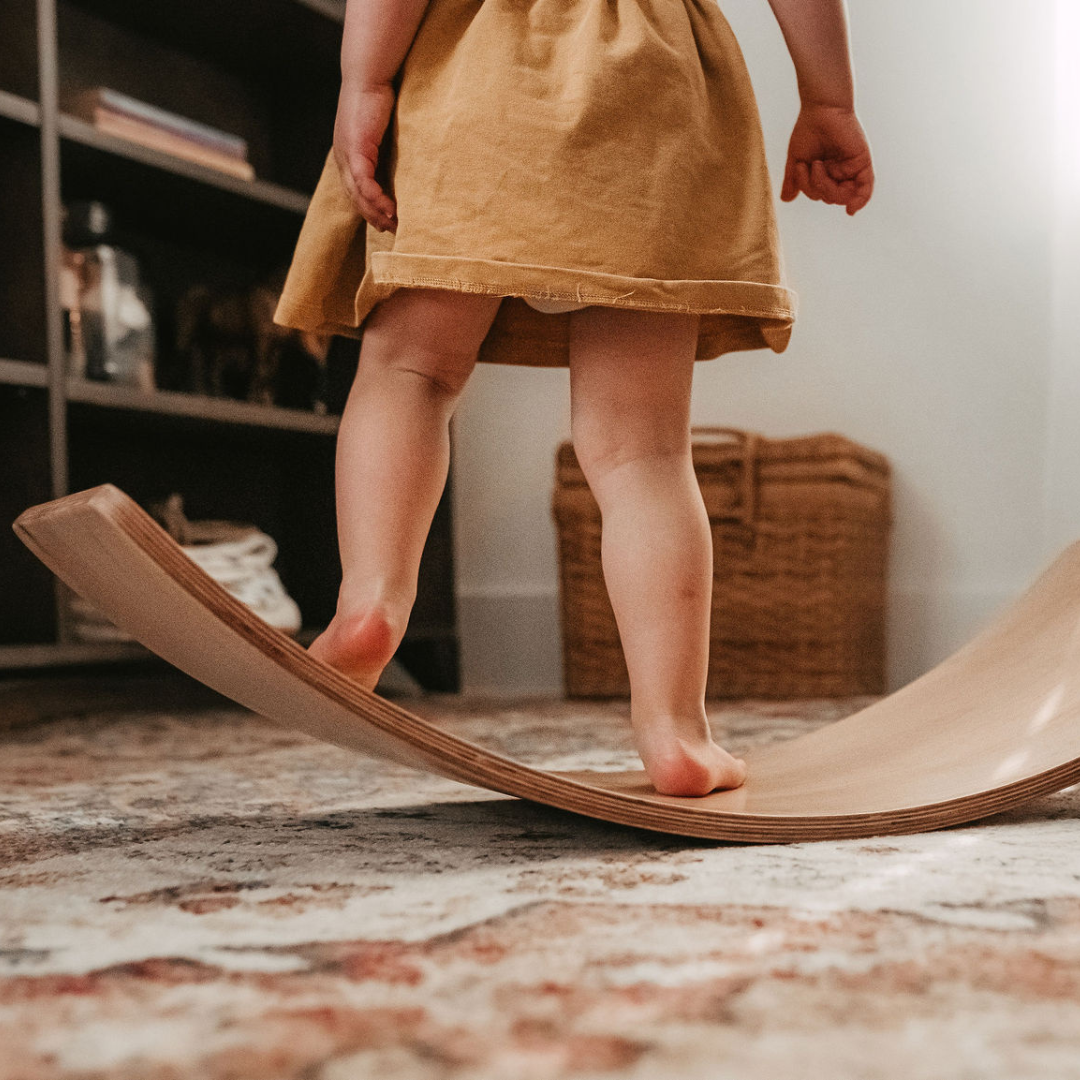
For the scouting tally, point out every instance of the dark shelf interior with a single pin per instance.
(28, 612)
(22, 271)
(172, 176)
(282, 482)
(183, 234)
(18, 48)
(259, 40)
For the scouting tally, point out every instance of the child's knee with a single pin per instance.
(602, 451)
(603, 447)
(598, 450)
(443, 372)
(443, 327)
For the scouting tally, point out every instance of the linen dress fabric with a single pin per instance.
(569, 152)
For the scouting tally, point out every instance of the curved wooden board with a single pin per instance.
(993, 726)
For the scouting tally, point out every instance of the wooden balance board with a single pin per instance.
(993, 726)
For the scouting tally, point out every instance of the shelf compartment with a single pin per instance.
(281, 481)
(171, 264)
(183, 227)
(273, 195)
(197, 407)
(286, 119)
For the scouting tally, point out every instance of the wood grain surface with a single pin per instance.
(995, 725)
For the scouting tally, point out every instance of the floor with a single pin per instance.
(197, 894)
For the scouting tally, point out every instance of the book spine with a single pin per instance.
(87, 101)
(155, 139)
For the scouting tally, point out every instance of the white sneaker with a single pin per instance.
(236, 555)
(244, 568)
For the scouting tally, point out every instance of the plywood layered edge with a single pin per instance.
(994, 726)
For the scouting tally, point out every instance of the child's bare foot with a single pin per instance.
(688, 766)
(358, 645)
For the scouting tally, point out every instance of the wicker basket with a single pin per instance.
(800, 532)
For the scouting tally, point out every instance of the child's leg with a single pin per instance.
(630, 381)
(393, 452)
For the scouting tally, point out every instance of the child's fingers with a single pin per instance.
(790, 187)
(373, 194)
(854, 180)
(366, 194)
(846, 168)
(827, 189)
(808, 179)
(858, 201)
(802, 178)
(844, 183)
(862, 187)
(819, 180)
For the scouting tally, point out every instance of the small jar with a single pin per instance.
(108, 318)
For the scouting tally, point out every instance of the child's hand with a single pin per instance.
(362, 117)
(829, 158)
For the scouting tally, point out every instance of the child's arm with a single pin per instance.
(828, 156)
(376, 38)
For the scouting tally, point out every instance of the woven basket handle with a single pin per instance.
(745, 510)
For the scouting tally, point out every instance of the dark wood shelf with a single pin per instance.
(196, 406)
(262, 191)
(54, 654)
(23, 373)
(14, 107)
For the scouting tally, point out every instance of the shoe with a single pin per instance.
(239, 557)
(243, 568)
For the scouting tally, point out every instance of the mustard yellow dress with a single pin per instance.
(561, 153)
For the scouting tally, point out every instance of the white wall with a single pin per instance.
(1062, 503)
(934, 326)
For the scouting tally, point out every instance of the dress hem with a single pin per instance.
(694, 297)
(751, 314)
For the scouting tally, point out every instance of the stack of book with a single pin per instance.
(128, 118)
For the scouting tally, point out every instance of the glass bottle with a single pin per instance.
(109, 324)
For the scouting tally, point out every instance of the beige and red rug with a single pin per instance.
(202, 896)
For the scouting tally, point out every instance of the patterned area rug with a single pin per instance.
(201, 896)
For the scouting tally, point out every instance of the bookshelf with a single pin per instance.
(264, 70)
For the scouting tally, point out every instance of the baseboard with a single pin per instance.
(511, 642)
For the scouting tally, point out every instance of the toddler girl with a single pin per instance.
(577, 182)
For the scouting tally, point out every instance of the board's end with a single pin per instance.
(23, 525)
